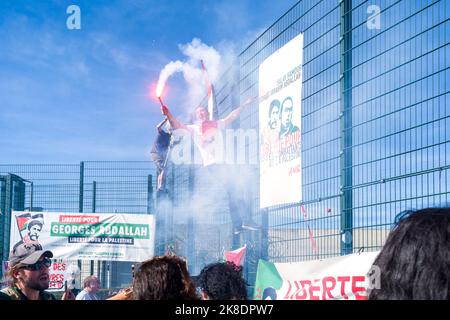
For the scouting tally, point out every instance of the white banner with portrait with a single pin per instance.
(280, 87)
(86, 236)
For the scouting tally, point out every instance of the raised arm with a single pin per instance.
(174, 123)
(233, 115)
(161, 124)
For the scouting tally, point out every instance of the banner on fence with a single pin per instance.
(86, 236)
(280, 88)
(335, 278)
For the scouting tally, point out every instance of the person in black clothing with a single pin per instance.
(160, 152)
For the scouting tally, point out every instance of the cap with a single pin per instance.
(27, 254)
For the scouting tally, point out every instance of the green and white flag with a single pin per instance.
(338, 278)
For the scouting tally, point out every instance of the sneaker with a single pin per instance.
(238, 230)
(251, 226)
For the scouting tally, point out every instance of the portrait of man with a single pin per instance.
(287, 127)
(34, 228)
(270, 134)
(274, 115)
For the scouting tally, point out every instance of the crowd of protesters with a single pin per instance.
(159, 278)
(414, 263)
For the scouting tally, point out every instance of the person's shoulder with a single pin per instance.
(164, 133)
(47, 296)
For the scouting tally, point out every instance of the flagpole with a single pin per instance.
(160, 101)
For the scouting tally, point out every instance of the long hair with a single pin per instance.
(415, 261)
(223, 281)
(163, 278)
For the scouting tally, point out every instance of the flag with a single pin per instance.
(237, 256)
(212, 105)
(268, 281)
(311, 234)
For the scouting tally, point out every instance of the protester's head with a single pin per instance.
(414, 263)
(274, 114)
(34, 229)
(202, 113)
(163, 278)
(286, 112)
(222, 281)
(29, 267)
(91, 284)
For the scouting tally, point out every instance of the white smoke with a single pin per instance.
(195, 51)
(166, 72)
(208, 201)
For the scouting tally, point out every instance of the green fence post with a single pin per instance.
(346, 127)
(150, 194)
(31, 196)
(94, 196)
(94, 205)
(190, 227)
(80, 203)
(80, 209)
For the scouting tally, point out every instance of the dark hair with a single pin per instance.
(415, 260)
(273, 104)
(223, 281)
(34, 222)
(163, 278)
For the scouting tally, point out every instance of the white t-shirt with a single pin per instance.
(208, 138)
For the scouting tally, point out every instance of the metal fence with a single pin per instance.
(375, 141)
(90, 186)
(375, 125)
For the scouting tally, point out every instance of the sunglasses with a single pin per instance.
(46, 262)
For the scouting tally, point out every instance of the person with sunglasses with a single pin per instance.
(29, 274)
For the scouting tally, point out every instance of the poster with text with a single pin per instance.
(280, 86)
(340, 278)
(86, 236)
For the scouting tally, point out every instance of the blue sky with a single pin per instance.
(72, 95)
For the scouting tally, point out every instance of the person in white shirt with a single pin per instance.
(91, 286)
(208, 137)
